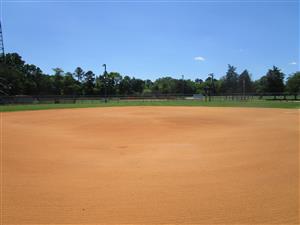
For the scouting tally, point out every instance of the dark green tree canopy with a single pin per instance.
(19, 78)
(78, 73)
(230, 80)
(89, 83)
(244, 81)
(293, 83)
(275, 80)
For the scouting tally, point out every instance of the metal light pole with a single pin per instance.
(183, 86)
(206, 91)
(2, 53)
(211, 85)
(244, 89)
(105, 83)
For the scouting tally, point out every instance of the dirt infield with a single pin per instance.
(151, 165)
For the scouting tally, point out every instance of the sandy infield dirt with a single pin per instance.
(151, 165)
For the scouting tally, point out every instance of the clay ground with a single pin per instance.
(150, 165)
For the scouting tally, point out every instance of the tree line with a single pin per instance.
(19, 78)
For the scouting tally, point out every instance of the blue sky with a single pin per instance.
(152, 39)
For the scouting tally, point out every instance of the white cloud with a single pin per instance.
(293, 63)
(199, 58)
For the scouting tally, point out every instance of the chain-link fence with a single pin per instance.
(72, 99)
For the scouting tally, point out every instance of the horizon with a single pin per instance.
(148, 40)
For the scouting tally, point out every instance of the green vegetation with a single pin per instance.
(88, 104)
(19, 78)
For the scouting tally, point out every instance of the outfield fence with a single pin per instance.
(76, 99)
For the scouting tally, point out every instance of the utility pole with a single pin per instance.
(105, 83)
(211, 89)
(206, 90)
(183, 85)
(2, 54)
(244, 89)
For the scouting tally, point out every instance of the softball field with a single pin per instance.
(151, 165)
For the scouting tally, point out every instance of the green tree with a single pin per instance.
(110, 82)
(99, 85)
(89, 83)
(165, 85)
(125, 86)
(19, 78)
(114, 80)
(260, 85)
(148, 84)
(137, 85)
(188, 88)
(11, 80)
(57, 80)
(230, 81)
(33, 79)
(274, 81)
(14, 60)
(245, 79)
(201, 85)
(293, 84)
(79, 73)
(46, 85)
(70, 85)
(147, 90)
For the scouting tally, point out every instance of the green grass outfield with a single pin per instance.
(260, 104)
